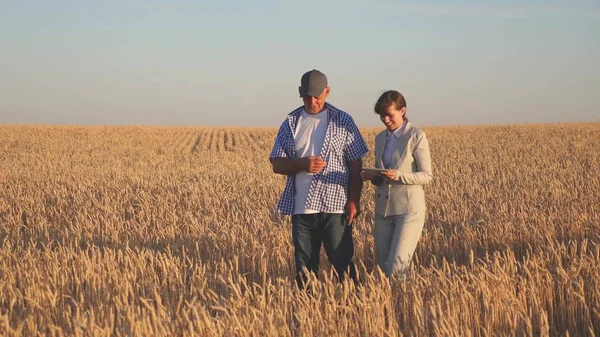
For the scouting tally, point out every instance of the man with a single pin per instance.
(320, 150)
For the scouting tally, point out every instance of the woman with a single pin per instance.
(403, 150)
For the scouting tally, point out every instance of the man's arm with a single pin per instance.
(356, 183)
(356, 148)
(288, 166)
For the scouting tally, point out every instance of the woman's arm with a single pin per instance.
(422, 157)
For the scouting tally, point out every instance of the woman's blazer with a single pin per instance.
(411, 159)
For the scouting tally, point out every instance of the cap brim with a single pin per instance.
(314, 92)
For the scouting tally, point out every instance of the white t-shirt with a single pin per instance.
(308, 139)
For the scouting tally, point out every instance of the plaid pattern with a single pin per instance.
(343, 144)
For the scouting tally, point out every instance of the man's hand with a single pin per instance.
(313, 164)
(390, 174)
(352, 211)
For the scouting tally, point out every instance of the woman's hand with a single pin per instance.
(390, 174)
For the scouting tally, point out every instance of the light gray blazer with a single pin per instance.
(404, 194)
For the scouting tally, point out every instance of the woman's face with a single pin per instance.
(392, 118)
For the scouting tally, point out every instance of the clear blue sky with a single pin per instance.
(240, 62)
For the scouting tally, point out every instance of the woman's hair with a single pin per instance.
(390, 98)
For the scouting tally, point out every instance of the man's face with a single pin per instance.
(314, 105)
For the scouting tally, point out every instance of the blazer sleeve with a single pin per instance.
(423, 175)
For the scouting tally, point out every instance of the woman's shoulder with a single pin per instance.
(415, 131)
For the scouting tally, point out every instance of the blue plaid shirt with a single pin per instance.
(343, 144)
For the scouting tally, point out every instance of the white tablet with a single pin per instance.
(373, 170)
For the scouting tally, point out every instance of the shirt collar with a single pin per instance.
(332, 112)
(325, 112)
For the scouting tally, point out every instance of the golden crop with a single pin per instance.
(172, 231)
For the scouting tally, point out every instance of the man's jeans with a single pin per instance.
(330, 229)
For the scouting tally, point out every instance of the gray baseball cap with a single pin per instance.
(312, 83)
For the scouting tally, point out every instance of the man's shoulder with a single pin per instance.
(293, 114)
(283, 126)
(339, 114)
(296, 112)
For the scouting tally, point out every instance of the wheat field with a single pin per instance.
(172, 231)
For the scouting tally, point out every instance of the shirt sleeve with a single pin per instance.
(278, 150)
(356, 148)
